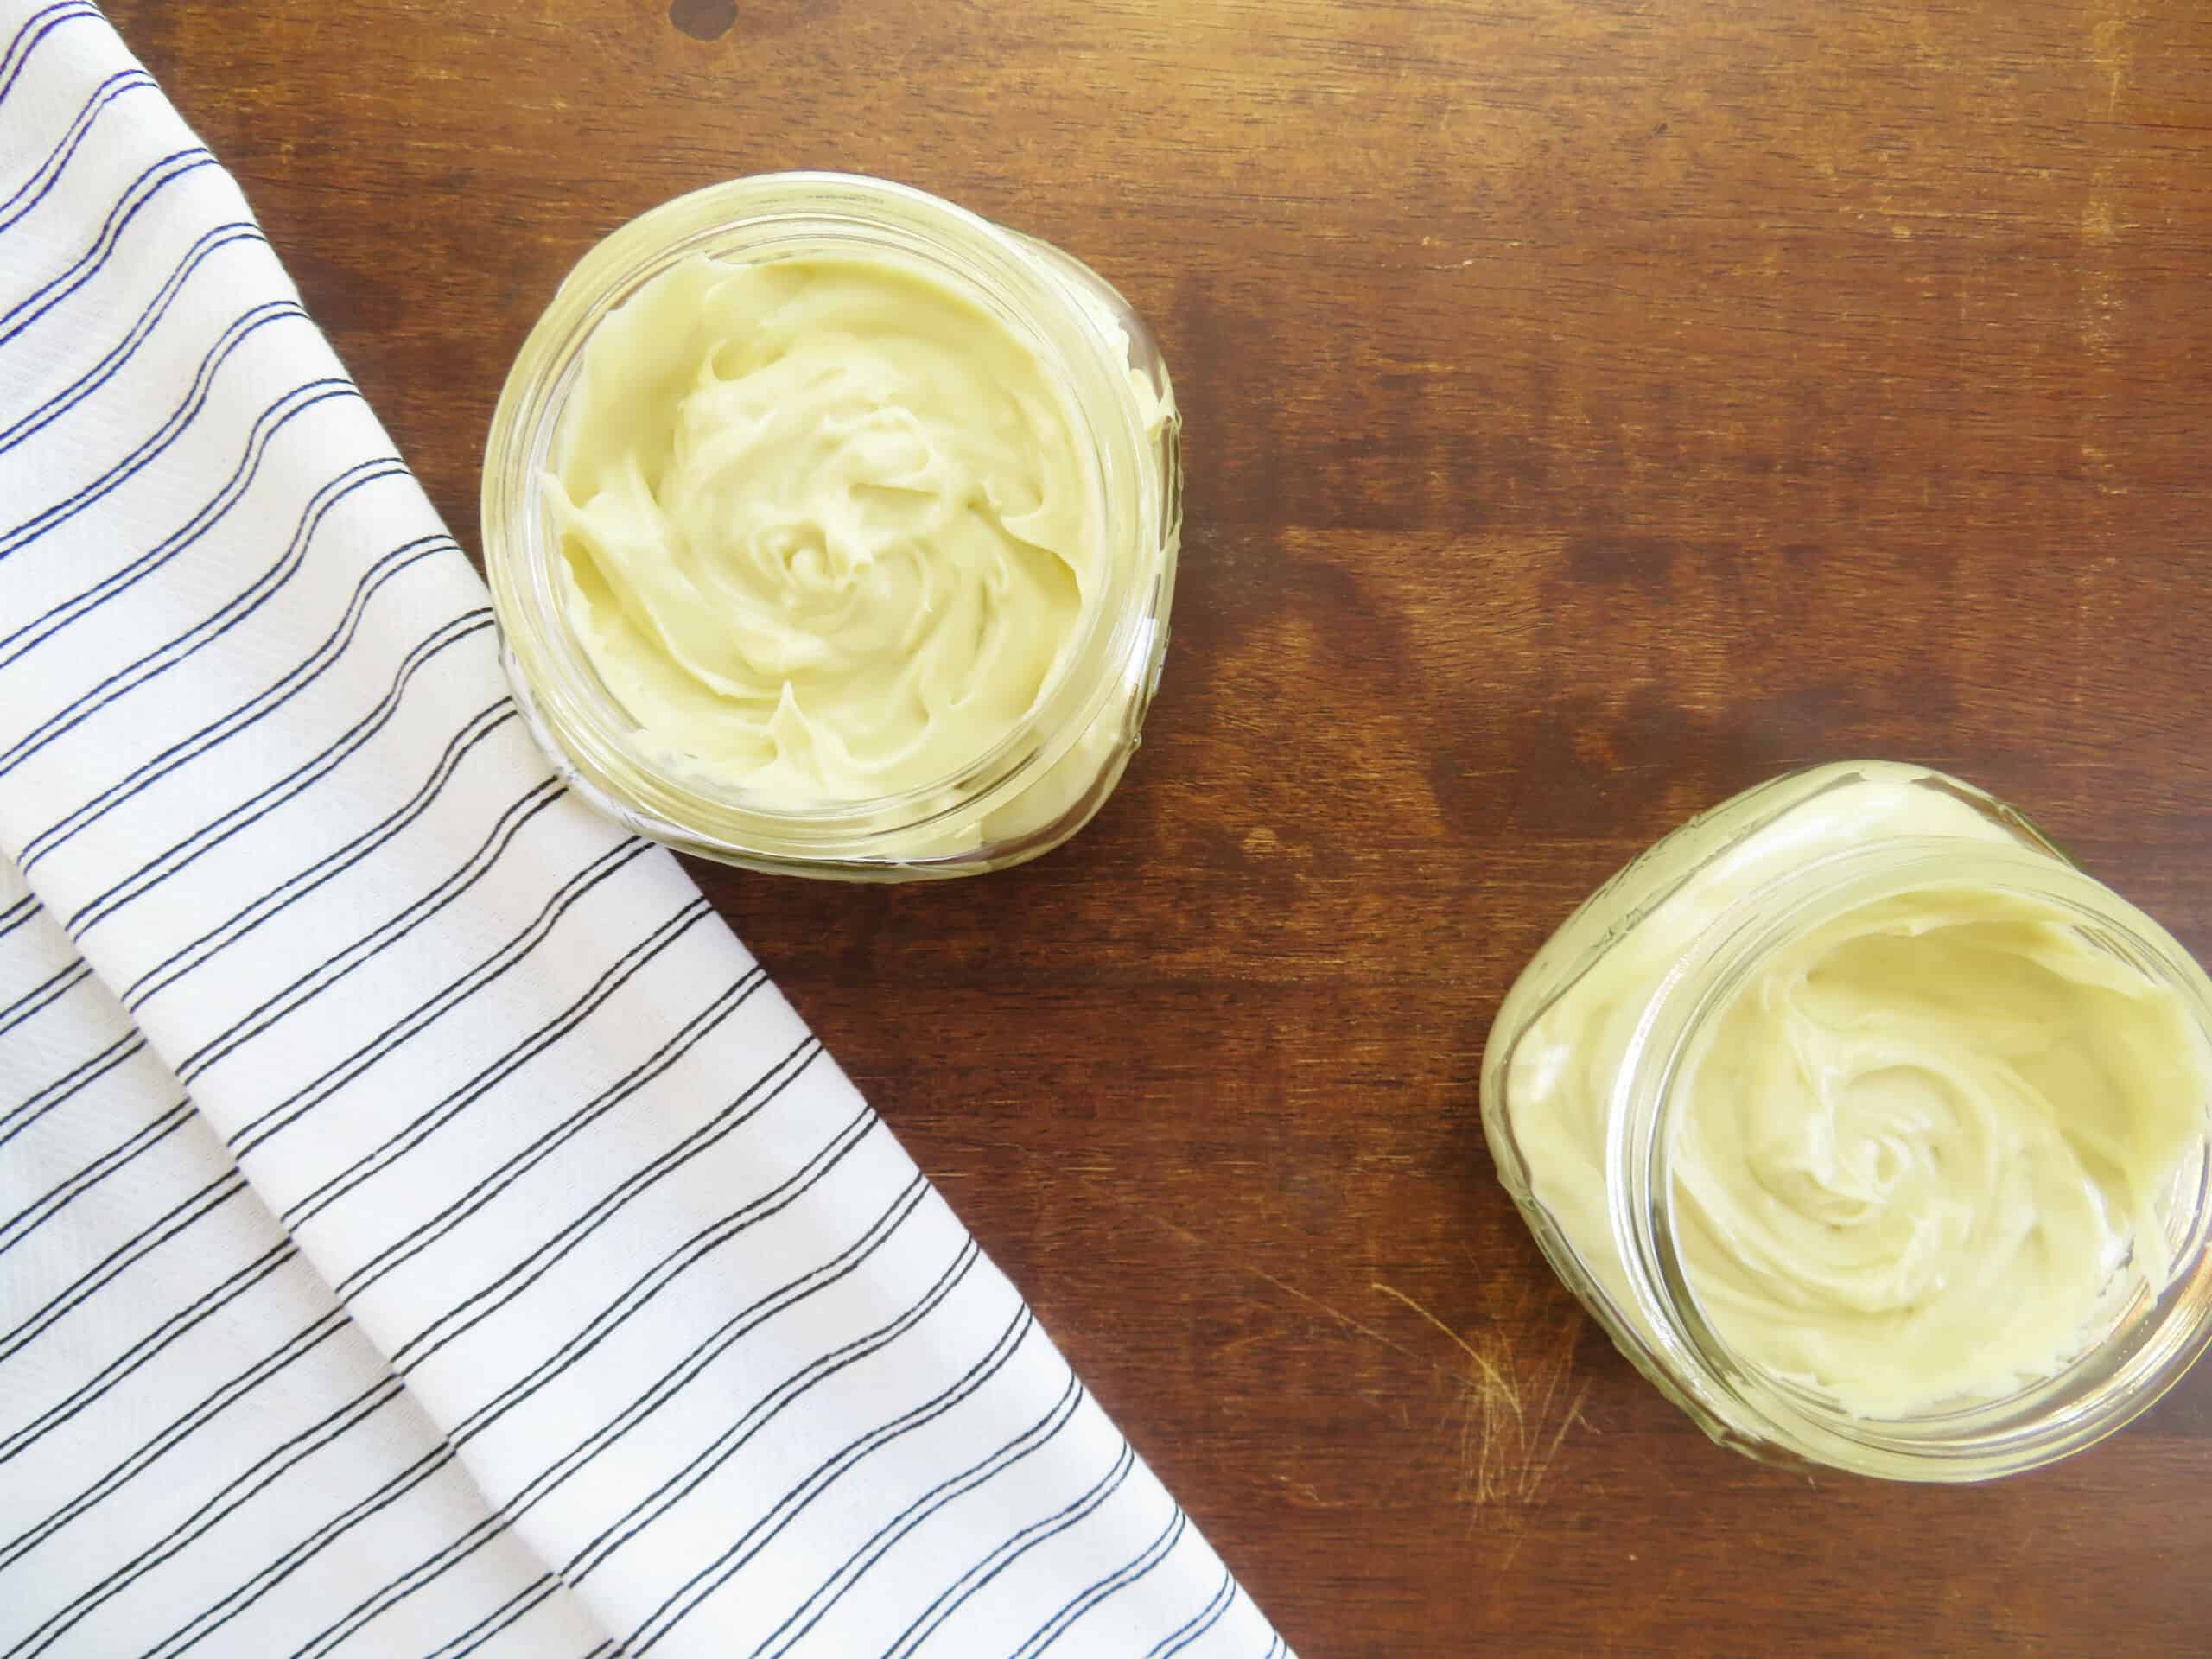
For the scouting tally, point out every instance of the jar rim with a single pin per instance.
(2125, 1369)
(768, 215)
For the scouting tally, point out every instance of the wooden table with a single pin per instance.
(1592, 408)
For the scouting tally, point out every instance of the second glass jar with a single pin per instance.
(1596, 1051)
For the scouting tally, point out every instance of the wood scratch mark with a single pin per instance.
(1337, 1313)
(1490, 1371)
(2112, 52)
(1511, 1423)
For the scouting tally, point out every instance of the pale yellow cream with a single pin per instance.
(828, 529)
(1924, 1151)
(1920, 1149)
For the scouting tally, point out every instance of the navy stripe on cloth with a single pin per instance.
(34, 189)
(210, 242)
(158, 176)
(133, 675)
(35, 28)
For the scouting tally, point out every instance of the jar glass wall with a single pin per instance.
(1592, 1061)
(1052, 770)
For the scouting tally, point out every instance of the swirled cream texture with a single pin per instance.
(1918, 1150)
(826, 525)
(1921, 1154)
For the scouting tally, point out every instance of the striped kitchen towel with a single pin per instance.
(423, 1230)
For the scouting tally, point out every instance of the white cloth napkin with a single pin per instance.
(423, 1230)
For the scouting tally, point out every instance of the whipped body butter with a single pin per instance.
(833, 530)
(1873, 1131)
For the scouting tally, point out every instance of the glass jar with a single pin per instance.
(1056, 767)
(1583, 1083)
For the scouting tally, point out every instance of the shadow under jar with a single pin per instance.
(1039, 778)
(1871, 1130)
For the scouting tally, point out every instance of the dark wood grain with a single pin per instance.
(1593, 409)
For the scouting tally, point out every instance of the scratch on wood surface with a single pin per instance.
(2100, 290)
(2112, 52)
(1336, 1313)
(1288, 1289)
(1515, 1407)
